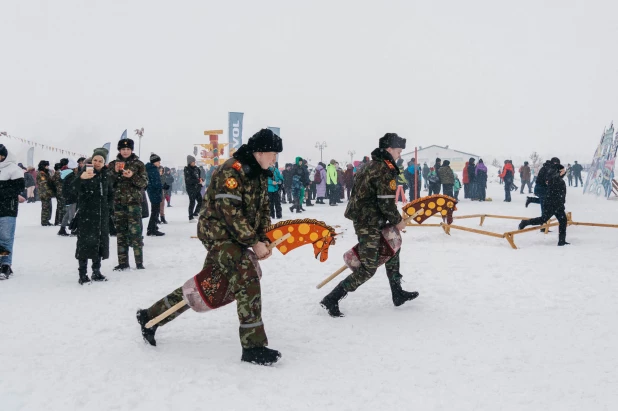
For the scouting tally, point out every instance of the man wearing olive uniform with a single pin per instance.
(371, 207)
(232, 225)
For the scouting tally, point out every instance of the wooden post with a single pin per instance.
(509, 238)
(482, 220)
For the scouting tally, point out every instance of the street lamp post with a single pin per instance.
(140, 134)
(351, 153)
(321, 146)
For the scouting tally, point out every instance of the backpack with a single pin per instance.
(433, 177)
(317, 178)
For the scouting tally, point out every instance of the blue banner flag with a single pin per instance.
(235, 131)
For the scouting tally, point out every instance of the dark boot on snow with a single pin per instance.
(400, 296)
(163, 220)
(523, 224)
(63, 232)
(97, 276)
(260, 355)
(147, 333)
(140, 266)
(122, 267)
(331, 301)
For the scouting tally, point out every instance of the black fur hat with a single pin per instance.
(43, 164)
(392, 140)
(265, 141)
(154, 158)
(126, 143)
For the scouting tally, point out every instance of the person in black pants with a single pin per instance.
(554, 203)
(577, 173)
(193, 184)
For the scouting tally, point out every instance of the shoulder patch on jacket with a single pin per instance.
(237, 166)
(389, 164)
(231, 183)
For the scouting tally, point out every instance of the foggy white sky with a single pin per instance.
(486, 77)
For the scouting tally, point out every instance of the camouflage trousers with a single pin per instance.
(60, 210)
(229, 259)
(46, 211)
(128, 219)
(368, 250)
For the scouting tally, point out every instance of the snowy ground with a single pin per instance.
(493, 329)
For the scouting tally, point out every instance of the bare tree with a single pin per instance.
(537, 160)
(495, 163)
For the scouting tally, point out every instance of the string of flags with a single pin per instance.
(42, 146)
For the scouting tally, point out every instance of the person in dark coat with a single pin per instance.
(68, 178)
(472, 191)
(288, 175)
(447, 178)
(554, 202)
(193, 184)
(169, 186)
(577, 173)
(540, 188)
(94, 199)
(426, 172)
(480, 179)
(155, 194)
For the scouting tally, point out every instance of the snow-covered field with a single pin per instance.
(493, 328)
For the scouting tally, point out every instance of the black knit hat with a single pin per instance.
(57, 166)
(79, 160)
(265, 141)
(3, 151)
(126, 143)
(64, 161)
(43, 164)
(154, 158)
(555, 160)
(392, 140)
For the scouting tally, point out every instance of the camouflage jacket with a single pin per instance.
(58, 184)
(372, 202)
(236, 204)
(46, 185)
(128, 191)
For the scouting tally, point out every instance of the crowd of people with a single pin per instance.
(96, 201)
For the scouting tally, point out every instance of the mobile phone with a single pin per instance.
(90, 169)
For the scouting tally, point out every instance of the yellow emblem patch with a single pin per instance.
(231, 183)
(393, 185)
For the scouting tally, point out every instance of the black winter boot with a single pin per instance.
(97, 276)
(83, 278)
(122, 267)
(260, 355)
(331, 301)
(147, 333)
(523, 224)
(163, 220)
(399, 295)
(63, 232)
(140, 266)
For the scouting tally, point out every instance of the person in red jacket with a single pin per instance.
(508, 174)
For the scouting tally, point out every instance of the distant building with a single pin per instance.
(429, 154)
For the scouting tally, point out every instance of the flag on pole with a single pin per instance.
(124, 135)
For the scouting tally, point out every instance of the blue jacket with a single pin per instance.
(272, 187)
(154, 189)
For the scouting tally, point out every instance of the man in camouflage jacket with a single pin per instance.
(46, 192)
(128, 184)
(371, 207)
(60, 201)
(232, 226)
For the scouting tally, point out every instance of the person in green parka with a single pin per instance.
(94, 202)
